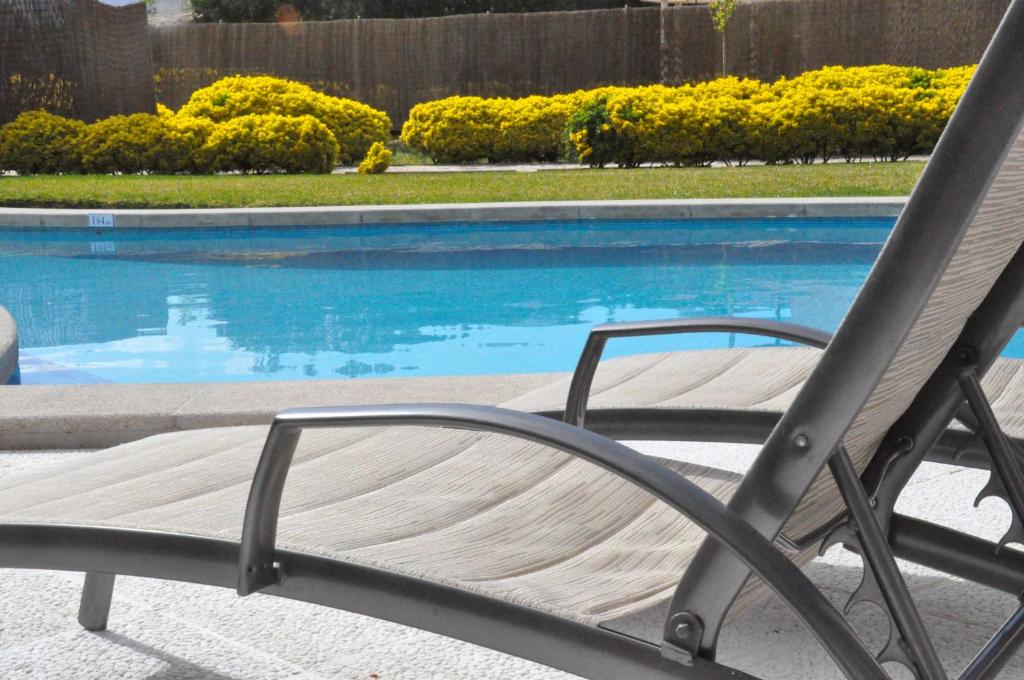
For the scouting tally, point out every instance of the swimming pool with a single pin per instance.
(190, 305)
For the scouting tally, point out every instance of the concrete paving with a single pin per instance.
(97, 416)
(167, 631)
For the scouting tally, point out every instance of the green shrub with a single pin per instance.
(38, 142)
(597, 142)
(355, 126)
(377, 161)
(271, 143)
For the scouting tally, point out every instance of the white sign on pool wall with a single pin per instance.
(103, 248)
(102, 220)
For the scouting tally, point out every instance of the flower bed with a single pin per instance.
(245, 124)
(883, 112)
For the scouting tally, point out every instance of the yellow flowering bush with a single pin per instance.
(39, 142)
(729, 130)
(532, 128)
(456, 129)
(377, 161)
(467, 129)
(952, 78)
(885, 112)
(271, 143)
(731, 87)
(181, 145)
(124, 144)
(356, 126)
(799, 128)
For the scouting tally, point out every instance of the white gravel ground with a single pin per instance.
(165, 631)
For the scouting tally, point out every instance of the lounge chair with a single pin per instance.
(552, 542)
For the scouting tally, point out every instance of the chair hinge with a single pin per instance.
(683, 635)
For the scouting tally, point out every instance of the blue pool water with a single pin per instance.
(217, 305)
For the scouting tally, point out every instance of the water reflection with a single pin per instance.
(153, 315)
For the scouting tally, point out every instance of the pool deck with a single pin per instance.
(98, 416)
(335, 216)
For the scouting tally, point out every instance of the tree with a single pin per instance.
(721, 11)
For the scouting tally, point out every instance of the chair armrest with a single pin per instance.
(256, 553)
(257, 568)
(579, 389)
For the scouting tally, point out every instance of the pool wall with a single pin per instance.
(8, 348)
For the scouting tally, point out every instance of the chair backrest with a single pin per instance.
(994, 236)
(962, 225)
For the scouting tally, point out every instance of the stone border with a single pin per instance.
(98, 416)
(8, 346)
(462, 212)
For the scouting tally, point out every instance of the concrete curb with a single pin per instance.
(27, 218)
(98, 416)
(8, 346)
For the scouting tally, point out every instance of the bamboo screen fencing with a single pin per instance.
(394, 64)
(77, 57)
(94, 60)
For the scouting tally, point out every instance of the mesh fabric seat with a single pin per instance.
(508, 518)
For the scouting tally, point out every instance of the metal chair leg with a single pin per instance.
(96, 595)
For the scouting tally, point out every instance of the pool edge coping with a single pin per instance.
(8, 346)
(337, 216)
(62, 417)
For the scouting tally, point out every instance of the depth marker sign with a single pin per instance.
(102, 221)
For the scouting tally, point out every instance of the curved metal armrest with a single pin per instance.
(579, 389)
(257, 550)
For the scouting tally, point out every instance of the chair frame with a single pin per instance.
(744, 536)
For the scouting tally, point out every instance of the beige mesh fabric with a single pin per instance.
(751, 379)
(503, 517)
(757, 378)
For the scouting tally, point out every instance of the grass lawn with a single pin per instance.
(231, 191)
